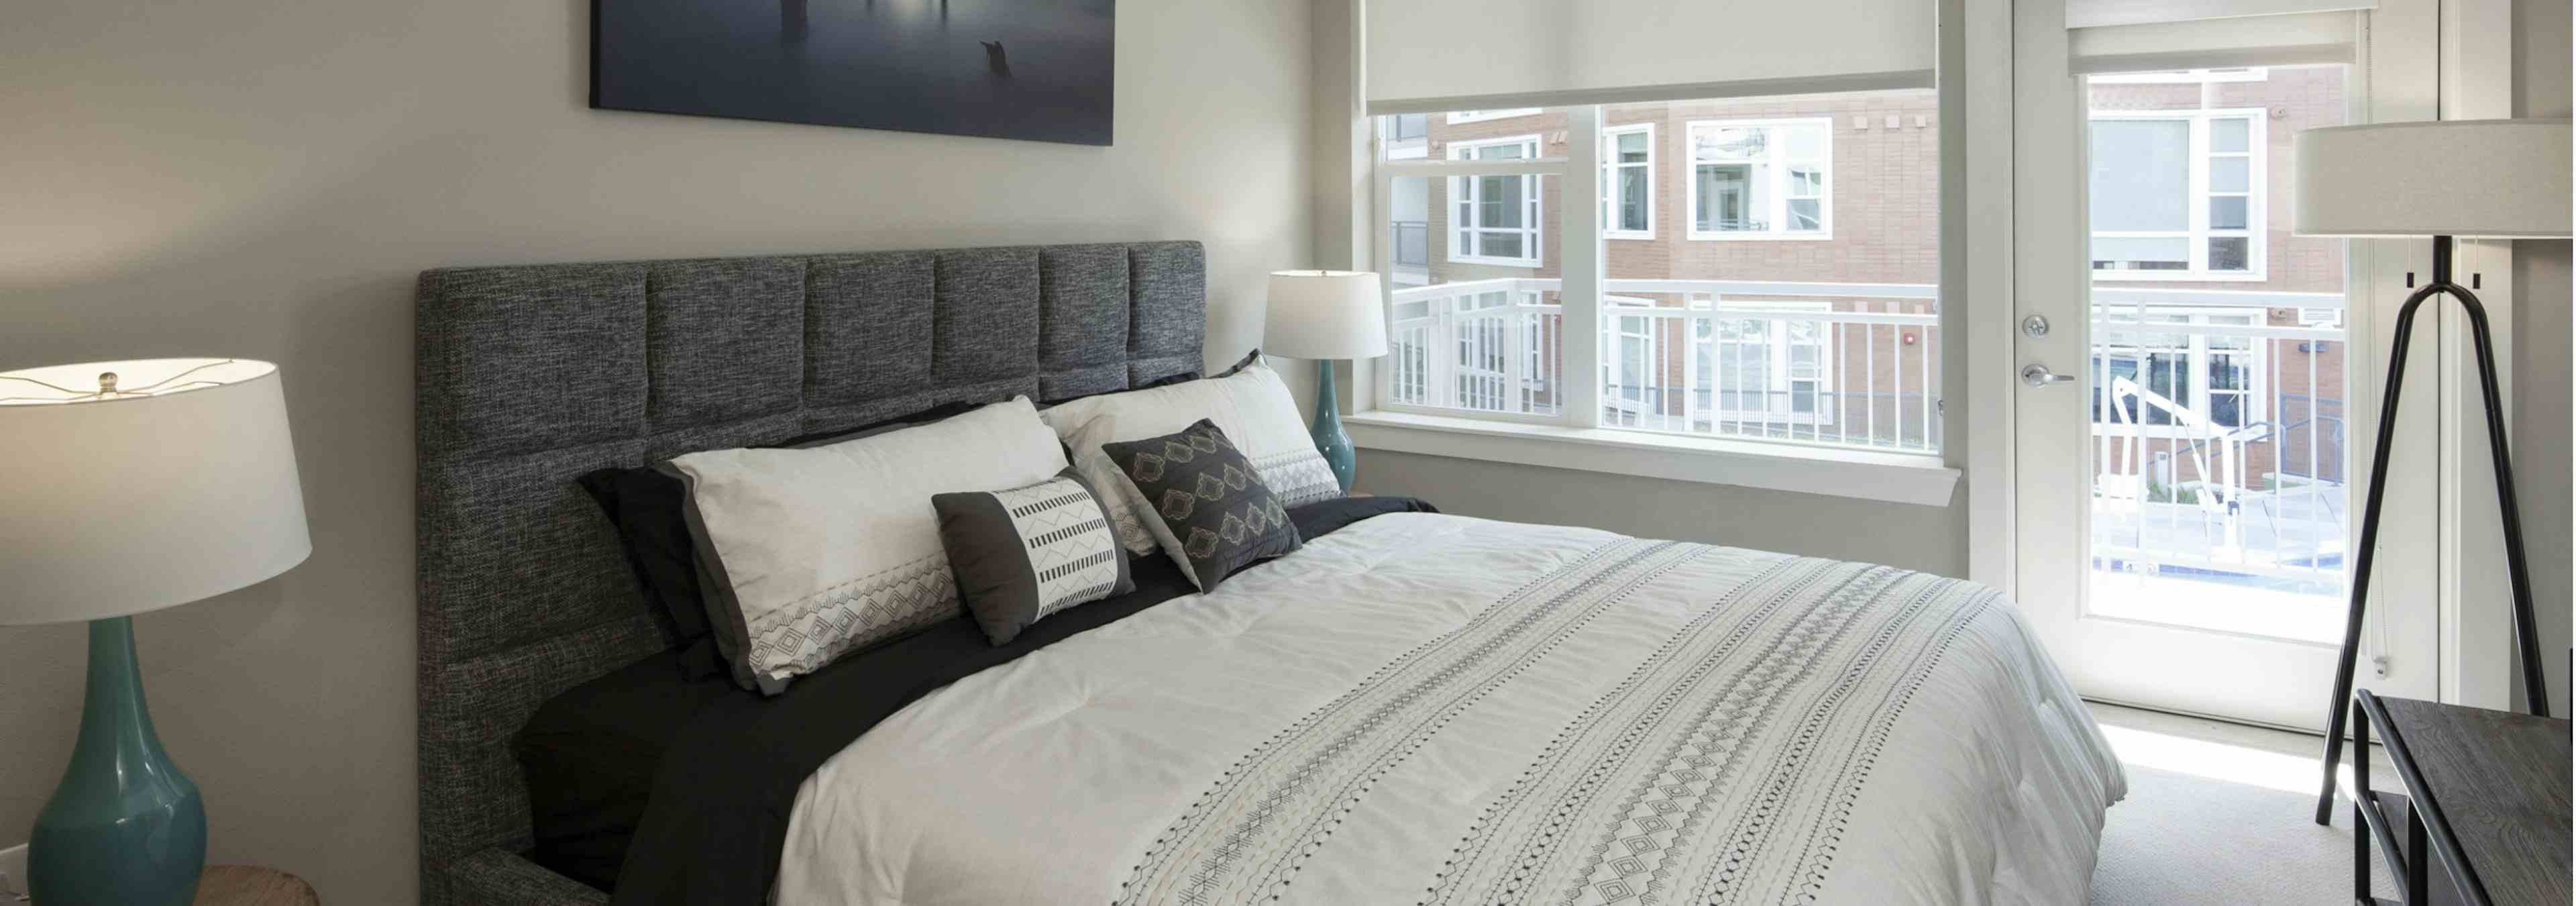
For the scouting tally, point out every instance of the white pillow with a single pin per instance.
(1252, 407)
(812, 553)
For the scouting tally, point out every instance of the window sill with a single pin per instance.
(2103, 276)
(1494, 262)
(1749, 236)
(1864, 474)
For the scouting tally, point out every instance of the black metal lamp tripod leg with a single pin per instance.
(2526, 637)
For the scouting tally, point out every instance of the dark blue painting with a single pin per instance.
(1025, 69)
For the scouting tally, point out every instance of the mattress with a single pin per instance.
(1428, 709)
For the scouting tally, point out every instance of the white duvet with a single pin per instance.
(1442, 710)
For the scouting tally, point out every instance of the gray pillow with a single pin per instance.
(1027, 552)
(1215, 515)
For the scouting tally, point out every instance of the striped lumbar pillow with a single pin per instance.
(1027, 552)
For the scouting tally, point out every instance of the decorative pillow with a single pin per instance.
(1253, 408)
(648, 504)
(1211, 514)
(1030, 551)
(806, 555)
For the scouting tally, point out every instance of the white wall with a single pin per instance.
(263, 178)
(2541, 400)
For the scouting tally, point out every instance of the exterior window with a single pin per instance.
(2178, 195)
(1407, 136)
(1766, 366)
(1632, 384)
(1628, 181)
(2193, 382)
(1495, 219)
(1761, 179)
(1478, 116)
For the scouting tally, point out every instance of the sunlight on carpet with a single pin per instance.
(2208, 822)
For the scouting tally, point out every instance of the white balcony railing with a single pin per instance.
(1844, 364)
(2219, 443)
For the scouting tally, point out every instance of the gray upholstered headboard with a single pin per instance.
(530, 376)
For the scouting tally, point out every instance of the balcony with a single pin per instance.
(2219, 460)
(2218, 434)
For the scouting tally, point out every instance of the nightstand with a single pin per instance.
(2484, 820)
(245, 885)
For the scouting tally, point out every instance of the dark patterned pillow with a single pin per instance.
(1027, 552)
(1216, 515)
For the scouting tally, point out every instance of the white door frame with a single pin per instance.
(2476, 63)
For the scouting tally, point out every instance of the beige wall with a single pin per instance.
(265, 178)
(2541, 399)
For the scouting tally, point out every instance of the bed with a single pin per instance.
(1413, 708)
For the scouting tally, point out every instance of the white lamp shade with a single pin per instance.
(2500, 179)
(1325, 315)
(179, 487)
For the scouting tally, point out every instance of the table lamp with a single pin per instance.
(1326, 315)
(2504, 179)
(131, 487)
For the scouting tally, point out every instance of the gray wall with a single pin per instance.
(264, 179)
(2541, 333)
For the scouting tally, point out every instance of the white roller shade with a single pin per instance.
(1430, 55)
(2098, 13)
(2275, 40)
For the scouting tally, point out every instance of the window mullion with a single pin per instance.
(2198, 200)
(1580, 287)
(1775, 153)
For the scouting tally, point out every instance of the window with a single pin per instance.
(2178, 195)
(2190, 382)
(1628, 181)
(1478, 116)
(1761, 179)
(1490, 351)
(1406, 136)
(1688, 341)
(1772, 366)
(1633, 391)
(1494, 219)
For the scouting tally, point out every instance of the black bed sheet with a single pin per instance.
(663, 788)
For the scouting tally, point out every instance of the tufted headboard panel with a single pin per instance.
(529, 376)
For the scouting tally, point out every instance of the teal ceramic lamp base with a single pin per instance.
(125, 827)
(1330, 439)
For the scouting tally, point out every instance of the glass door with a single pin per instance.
(2189, 423)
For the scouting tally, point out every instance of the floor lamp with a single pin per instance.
(2464, 178)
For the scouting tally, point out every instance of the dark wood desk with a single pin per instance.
(2486, 804)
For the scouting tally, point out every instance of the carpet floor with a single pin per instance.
(2184, 839)
(2219, 813)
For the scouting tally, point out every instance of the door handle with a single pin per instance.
(2038, 375)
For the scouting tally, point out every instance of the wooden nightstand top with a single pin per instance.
(245, 885)
(2497, 781)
